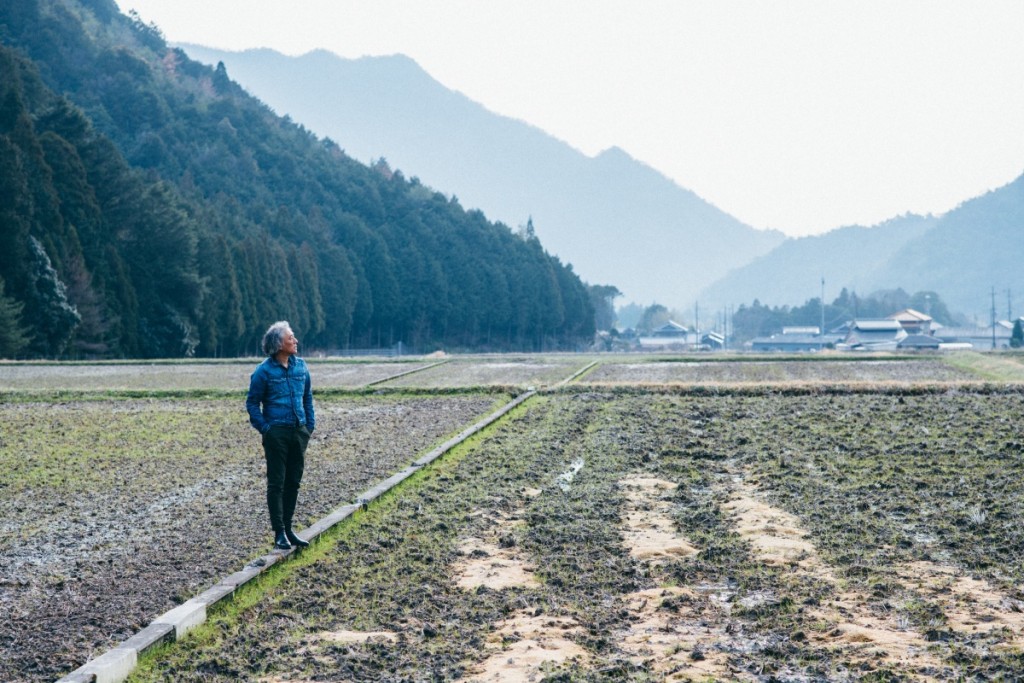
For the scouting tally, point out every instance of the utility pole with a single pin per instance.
(725, 329)
(696, 323)
(1009, 309)
(821, 330)
(993, 318)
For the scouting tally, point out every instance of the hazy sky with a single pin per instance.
(801, 115)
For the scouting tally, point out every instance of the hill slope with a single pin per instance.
(972, 249)
(791, 273)
(616, 219)
(961, 255)
(206, 217)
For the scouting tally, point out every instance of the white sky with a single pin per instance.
(800, 115)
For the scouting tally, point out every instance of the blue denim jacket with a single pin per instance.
(284, 393)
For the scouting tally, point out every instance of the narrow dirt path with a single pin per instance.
(671, 632)
(522, 644)
(850, 624)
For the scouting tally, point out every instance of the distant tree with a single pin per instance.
(654, 316)
(932, 304)
(629, 315)
(13, 337)
(1017, 336)
(602, 298)
(54, 317)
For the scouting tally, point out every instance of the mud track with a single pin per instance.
(651, 537)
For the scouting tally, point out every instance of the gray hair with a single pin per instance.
(273, 339)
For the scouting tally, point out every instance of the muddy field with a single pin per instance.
(495, 371)
(871, 532)
(777, 371)
(649, 537)
(114, 511)
(163, 376)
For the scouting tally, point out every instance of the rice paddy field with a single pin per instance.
(673, 519)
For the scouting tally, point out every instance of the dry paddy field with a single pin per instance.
(834, 527)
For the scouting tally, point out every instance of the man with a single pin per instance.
(280, 405)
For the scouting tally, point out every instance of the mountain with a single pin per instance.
(614, 218)
(961, 255)
(151, 207)
(792, 272)
(972, 249)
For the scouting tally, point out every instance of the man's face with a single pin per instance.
(290, 344)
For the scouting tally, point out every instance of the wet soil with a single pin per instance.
(775, 371)
(182, 376)
(836, 537)
(114, 511)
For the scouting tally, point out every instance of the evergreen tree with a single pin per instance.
(54, 319)
(13, 336)
(1017, 336)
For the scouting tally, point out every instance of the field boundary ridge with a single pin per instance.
(117, 663)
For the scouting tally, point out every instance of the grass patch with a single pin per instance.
(994, 367)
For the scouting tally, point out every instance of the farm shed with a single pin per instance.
(795, 342)
(978, 337)
(875, 335)
(920, 341)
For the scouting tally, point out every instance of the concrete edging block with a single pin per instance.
(241, 577)
(322, 525)
(212, 596)
(150, 637)
(184, 617)
(113, 666)
(254, 568)
(78, 676)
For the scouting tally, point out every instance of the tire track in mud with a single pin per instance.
(853, 624)
(669, 635)
(520, 646)
(777, 538)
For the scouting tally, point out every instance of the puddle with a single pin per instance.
(564, 480)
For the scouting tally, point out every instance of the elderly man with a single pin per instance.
(280, 405)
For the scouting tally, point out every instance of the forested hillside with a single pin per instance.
(963, 255)
(151, 207)
(617, 219)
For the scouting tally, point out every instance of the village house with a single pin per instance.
(980, 338)
(914, 322)
(797, 339)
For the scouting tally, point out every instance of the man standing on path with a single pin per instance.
(280, 405)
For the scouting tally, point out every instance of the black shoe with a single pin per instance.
(296, 541)
(281, 541)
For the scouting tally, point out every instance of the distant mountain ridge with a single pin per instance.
(615, 219)
(791, 273)
(962, 255)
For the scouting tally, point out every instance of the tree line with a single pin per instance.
(152, 208)
(759, 320)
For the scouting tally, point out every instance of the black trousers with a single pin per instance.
(285, 450)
